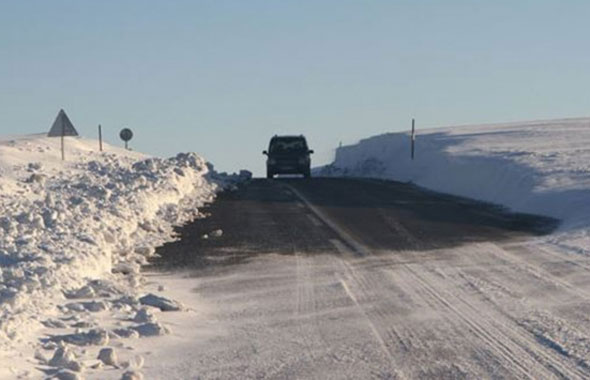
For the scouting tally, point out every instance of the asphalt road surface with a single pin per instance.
(345, 278)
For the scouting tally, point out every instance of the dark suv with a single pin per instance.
(288, 155)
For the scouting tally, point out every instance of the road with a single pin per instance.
(345, 278)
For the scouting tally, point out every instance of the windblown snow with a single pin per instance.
(540, 167)
(73, 235)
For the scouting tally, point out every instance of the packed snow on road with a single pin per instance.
(73, 237)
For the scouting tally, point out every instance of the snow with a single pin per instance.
(64, 358)
(161, 303)
(73, 237)
(151, 329)
(540, 167)
(108, 356)
(74, 302)
(144, 315)
(132, 375)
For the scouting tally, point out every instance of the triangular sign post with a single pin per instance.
(62, 126)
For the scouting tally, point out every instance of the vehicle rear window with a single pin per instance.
(281, 145)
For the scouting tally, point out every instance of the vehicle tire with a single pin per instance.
(307, 173)
(269, 174)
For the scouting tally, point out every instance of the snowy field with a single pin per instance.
(73, 235)
(540, 167)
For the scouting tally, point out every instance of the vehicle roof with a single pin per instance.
(288, 137)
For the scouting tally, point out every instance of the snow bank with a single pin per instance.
(540, 167)
(74, 234)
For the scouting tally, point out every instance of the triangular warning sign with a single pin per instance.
(62, 126)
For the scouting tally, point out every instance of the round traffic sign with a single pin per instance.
(126, 134)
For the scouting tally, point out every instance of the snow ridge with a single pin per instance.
(540, 167)
(74, 235)
(104, 216)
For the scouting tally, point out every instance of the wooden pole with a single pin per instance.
(100, 137)
(63, 133)
(413, 137)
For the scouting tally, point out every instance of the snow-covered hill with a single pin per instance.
(73, 235)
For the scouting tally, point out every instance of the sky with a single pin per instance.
(222, 77)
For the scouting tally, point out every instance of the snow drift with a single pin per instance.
(540, 167)
(74, 234)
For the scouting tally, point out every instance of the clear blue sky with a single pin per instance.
(220, 77)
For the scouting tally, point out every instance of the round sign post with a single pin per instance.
(126, 135)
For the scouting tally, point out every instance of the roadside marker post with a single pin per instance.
(100, 137)
(413, 138)
(63, 134)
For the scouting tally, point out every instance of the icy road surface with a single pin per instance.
(343, 278)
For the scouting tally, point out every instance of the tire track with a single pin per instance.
(500, 348)
(384, 324)
(509, 348)
(514, 347)
(540, 272)
(359, 249)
